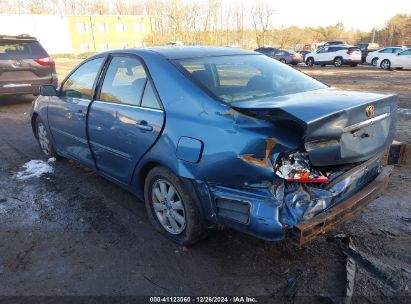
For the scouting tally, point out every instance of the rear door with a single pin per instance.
(403, 59)
(126, 119)
(24, 63)
(67, 112)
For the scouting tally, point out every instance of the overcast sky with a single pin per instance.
(358, 14)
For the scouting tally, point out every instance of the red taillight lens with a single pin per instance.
(296, 167)
(45, 61)
(320, 179)
(349, 52)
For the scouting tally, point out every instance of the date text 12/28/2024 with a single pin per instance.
(239, 299)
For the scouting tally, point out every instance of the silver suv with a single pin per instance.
(24, 65)
(337, 55)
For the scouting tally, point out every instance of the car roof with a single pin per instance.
(180, 52)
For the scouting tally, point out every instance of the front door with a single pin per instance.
(321, 55)
(67, 112)
(125, 120)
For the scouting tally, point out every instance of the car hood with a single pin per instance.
(339, 126)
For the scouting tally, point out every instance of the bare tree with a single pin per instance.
(261, 17)
(120, 7)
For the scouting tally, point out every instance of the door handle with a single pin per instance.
(143, 125)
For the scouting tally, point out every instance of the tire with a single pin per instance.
(323, 65)
(309, 62)
(182, 223)
(43, 139)
(374, 61)
(338, 62)
(282, 60)
(385, 64)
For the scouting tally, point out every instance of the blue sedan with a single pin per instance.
(227, 136)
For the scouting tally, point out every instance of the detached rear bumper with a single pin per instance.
(309, 230)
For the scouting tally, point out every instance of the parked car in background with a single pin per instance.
(336, 42)
(394, 61)
(240, 140)
(284, 56)
(367, 48)
(338, 55)
(175, 43)
(372, 57)
(24, 65)
(269, 51)
(289, 57)
(303, 53)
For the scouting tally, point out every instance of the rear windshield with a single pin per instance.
(21, 50)
(247, 77)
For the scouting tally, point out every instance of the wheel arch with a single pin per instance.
(33, 123)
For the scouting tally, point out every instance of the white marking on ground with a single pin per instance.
(34, 168)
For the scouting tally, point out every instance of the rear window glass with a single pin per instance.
(247, 77)
(21, 50)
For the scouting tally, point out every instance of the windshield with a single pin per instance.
(247, 77)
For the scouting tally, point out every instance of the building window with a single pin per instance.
(139, 27)
(101, 27)
(104, 47)
(81, 27)
(84, 48)
(121, 27)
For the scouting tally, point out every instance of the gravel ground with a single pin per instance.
(71, 232)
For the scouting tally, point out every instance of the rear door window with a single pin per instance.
(395, 51)
(124, 81)
(149, 97)
(21, 50)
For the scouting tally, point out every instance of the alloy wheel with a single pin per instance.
(338, 62)
(374, 62)
(386, 64)
(43, 138)
(168, 207)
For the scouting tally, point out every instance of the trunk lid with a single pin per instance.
(339, 126)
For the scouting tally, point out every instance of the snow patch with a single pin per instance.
(34, 168)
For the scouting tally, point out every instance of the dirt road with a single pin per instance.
(72, 232)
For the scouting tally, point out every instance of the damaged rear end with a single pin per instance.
(338, 167)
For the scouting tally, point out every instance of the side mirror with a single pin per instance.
(48, 90)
